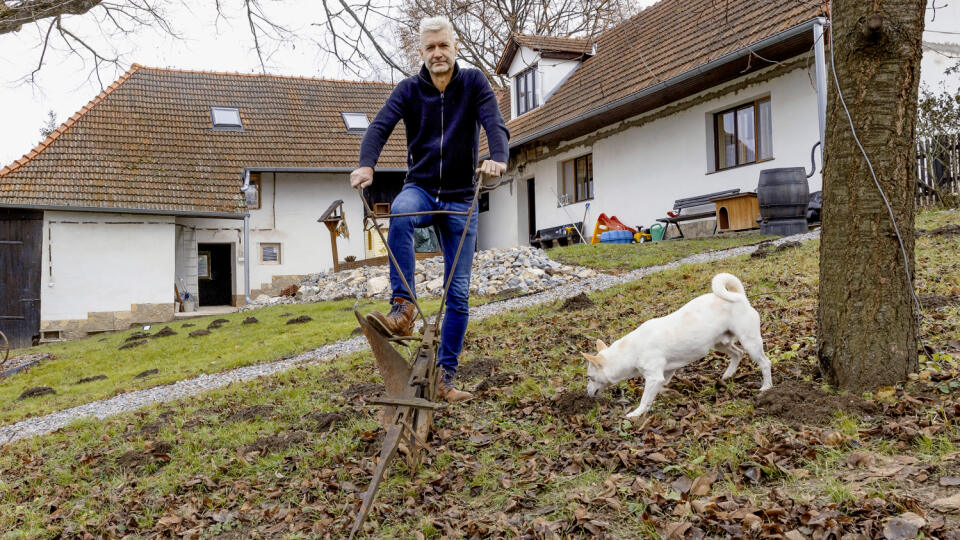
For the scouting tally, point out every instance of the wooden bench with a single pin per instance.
(692, 202)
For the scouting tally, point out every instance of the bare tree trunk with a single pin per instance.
(866, 316)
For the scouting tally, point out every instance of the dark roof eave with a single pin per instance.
(671, 82)
(114, 210)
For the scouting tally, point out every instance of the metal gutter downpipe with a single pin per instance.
(246, 240)
(821, 66)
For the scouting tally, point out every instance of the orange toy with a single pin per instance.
(605, 224)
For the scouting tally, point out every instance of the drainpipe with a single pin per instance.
(246, 240)
(821, 67)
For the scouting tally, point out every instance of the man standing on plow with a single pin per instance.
(442, 109)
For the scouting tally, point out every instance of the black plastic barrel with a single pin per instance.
(783, 193)
(783, 196)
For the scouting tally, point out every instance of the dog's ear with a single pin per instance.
(594, 359)
(601, 345)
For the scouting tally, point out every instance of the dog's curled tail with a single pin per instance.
(728, 287)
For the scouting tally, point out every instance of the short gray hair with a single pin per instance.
(435, 24)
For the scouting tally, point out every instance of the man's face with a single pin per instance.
(438, 50)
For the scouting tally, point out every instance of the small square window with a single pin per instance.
(226, 118)
(270, 253)
(355, 122)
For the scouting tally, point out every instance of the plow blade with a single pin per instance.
(393, 368)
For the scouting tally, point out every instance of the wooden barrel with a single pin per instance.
(783, 193)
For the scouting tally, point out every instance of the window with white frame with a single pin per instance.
(270, 253)
(525, 85)
(576, 179)
(743, 134)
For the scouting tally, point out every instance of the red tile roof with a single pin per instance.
(146, 142)
(665, 40)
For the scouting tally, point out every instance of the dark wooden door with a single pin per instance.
(216, 285)
(21, 232)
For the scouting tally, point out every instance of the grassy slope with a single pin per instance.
(176, 357)
(510, 461)
(616, 257)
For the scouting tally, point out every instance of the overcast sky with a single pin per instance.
(63, 85)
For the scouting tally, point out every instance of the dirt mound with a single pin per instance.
(91, 379)
(936, 301)
(198, 333)
(217, 324)
(300, 319)
(275, 443)
(574, 403)
(250, 413)
(481, 367)
(798, 403)
(325, 420)
(136, 335)
(35, 392)
(154, 427)
(789, 245)
(946, 230)
(363, 389)
(251, 320)
(494, 381)
(580, 301)
(187, 325)
(166, 332)
(146, 373)
(132, 344)
(135, 459)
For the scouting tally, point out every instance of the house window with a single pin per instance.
(577, 180)
(526, 86)
(355, 122)
(226, 118)
(270, 253)
(743, 134)
(252, 195)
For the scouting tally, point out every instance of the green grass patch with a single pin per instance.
(612, 257)
(175, 357)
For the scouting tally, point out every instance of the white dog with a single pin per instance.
(661, 346)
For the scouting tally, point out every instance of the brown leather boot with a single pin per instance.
(397, 323)
(448, 391)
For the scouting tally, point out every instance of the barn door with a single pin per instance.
(21, 232)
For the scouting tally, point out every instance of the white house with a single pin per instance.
(681, 100)
(140, 191)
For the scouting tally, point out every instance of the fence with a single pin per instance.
(938, 168)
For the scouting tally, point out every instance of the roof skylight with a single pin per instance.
(226, 118)
(355, 121)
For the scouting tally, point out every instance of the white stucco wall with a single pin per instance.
(104, 262)
(290, 205)
(639, 172)
(550, 73)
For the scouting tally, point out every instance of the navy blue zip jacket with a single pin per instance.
(443, 130)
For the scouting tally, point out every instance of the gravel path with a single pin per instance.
(134, 400)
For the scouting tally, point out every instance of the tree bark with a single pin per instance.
(866, 315)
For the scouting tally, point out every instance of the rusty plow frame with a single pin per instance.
(411, 386)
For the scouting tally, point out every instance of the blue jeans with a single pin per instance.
(449, 229)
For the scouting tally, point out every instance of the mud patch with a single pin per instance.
(936, 301)
(132, 344)
(251, 320)
(300, 319)
(580, 301)
(91, 379)
(198, 333)
(363, 389)
(789, 245)
(798, 403)
(146, 373)
(763, 249)
(574, 403)
(154, 427)
(275, 443)
(494, 381)
(36, 391)
(251, 413)
(481, 367)
(137, 335)
(326, 420)
(217, 324)
(136, 459)
(166, 332)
